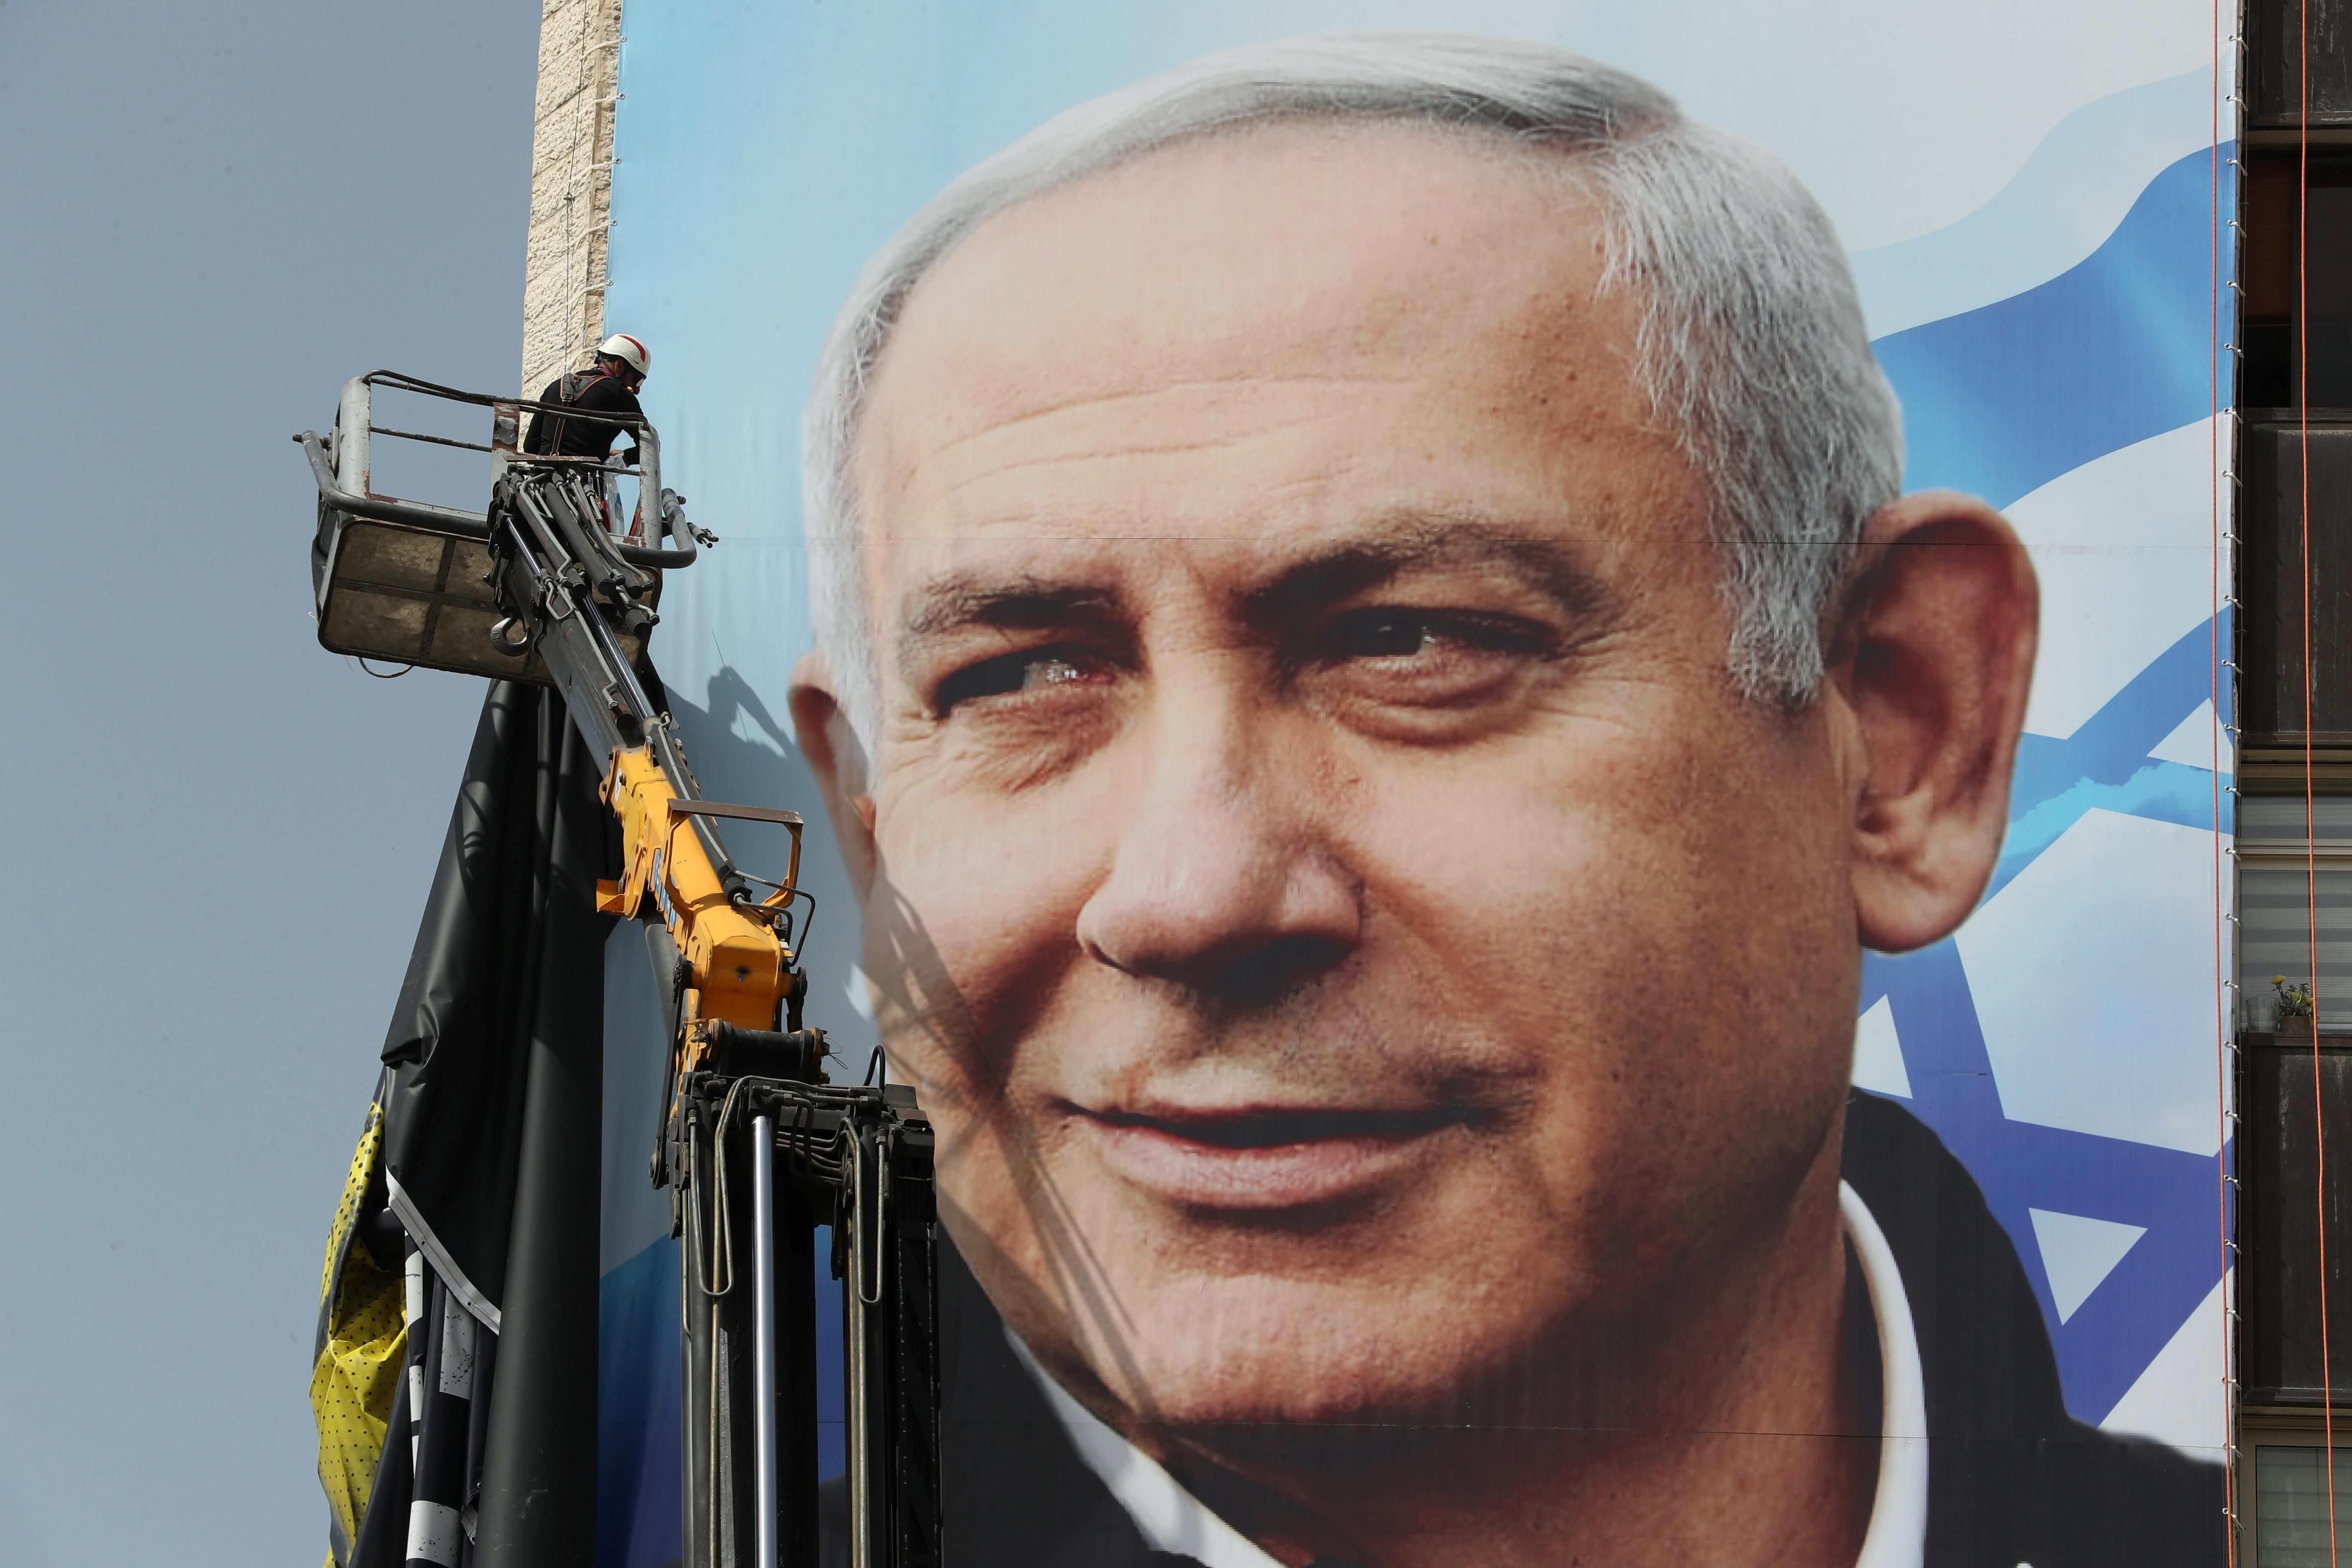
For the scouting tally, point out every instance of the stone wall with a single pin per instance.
(571, 186)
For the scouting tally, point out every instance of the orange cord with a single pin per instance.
(2310, 851)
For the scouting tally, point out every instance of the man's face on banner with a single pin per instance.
(1355, 941)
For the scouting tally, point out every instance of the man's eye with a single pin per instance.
(1012, 674)
(1400, 659)
(1384, 636)
(1427, 635)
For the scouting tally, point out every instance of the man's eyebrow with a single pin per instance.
(1540, 561)
(958, 600)
(1018, 601)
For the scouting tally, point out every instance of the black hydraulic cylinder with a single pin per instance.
(721, 1484)
(795, 1391)
(890, 1315)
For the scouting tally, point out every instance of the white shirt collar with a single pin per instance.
(1171, 1518)
(1897, 1537)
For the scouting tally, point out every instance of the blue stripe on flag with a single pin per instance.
(2000, 401)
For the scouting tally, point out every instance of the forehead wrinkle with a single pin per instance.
(1113, 445)
(1242, 378)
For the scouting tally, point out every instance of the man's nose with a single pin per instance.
(1225, 877)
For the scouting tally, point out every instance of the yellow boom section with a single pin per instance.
(740, 968)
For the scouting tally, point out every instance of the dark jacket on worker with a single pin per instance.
(591, 392)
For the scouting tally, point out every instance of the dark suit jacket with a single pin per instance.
(2012, 1479)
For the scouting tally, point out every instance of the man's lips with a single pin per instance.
(1273, 1157)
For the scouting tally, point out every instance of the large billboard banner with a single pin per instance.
(1517, 710)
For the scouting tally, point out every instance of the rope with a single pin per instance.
(2310, 851)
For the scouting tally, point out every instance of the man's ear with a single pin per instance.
(1933, 660)
(838, 760)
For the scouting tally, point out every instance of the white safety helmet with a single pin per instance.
(621, 346)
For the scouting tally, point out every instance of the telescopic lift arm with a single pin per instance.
(537, 588)
(582, 602)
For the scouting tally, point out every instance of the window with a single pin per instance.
(2282, 1506)
(2278, 30)
(2275, 297)
(2276, 892)
(2289, 1512)
(2284, 1097)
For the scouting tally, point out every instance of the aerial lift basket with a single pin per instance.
(409, 583)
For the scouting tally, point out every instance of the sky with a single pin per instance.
(210, 215)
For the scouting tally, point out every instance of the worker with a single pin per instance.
(609, 387)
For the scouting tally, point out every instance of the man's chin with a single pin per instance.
(1253, 1362)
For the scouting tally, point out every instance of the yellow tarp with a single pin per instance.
(358, 1371)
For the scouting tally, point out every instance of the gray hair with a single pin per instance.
(1750, 345)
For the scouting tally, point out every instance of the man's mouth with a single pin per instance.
(1273, 1157)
